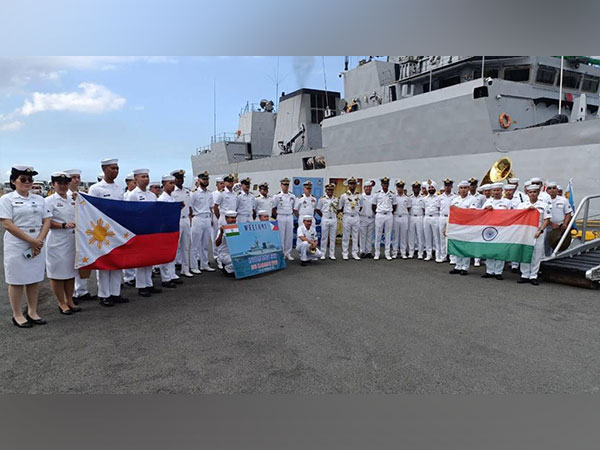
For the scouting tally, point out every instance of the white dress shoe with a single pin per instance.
(345, 257)
(290, 258)
(196, 271)
(332, 257)
(323, 257)
(356, 257)
(187, 274)
(376, 257)
(208, 269)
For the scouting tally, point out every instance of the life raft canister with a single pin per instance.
(505, 120)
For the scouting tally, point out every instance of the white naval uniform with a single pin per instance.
(202, 204)
(521, 196)
(560, 208)
(184, 247)
(530, 270)
(350, 205)
(444, 201)
(226, 201)
(367, 224)
(496, 266)
(462, 263)
(225, 255)
(215, 226)
(431, 227)
(109, 281)
(305, 206)
(167, 270)
(284, 205)
(303, 246)
(143, 275)
(329, 208)
(245, 207)
(400, 226)
(27, 213)
(515, 202)
(128, 274)
(263, 203)
(60, 243)
(416, 237)
(545, 197)
(384, 205)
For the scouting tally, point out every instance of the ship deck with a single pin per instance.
(332, 327)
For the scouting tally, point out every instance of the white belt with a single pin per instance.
(204, 215)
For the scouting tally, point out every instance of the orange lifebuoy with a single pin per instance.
(505, 120)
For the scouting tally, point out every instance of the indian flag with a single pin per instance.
(506, 235)
(231, 230)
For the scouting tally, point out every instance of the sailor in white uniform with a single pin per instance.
(129, 185)
(462, 200)
(263, 215)
(129, 274)
(143, 275)
(350, 205)
(367, 220)
(246, 202)
(431, 227)
(416, 236)
(283, 209)
(444, 199)
(401, 221)
(202, 205)
(307, 244)
(109, 281)
(520, 196)
(495, 267)
(167, 271)
(225, 255)
(509, 194)
(184, 248)
(307, 203)
(561, 213)
(26, 220)
(384, 205)
(60, 244)
(227, 199)
(529, 271)
(155, 188)
(327, 208)
(263, 201)
(215, 221)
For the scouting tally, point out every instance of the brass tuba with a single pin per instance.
(500, 171)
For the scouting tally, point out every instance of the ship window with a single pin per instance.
(590, 84)
(492, 73)
(518, 73)
(451, 81)
(545, 75)
(570, 79)
(393, 97)
(318, 103)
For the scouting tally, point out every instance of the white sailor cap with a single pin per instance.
(510, 187)
(100, 175)
(551, 184)
(486, 187)
(230, 213)
(73, 171)
(109, 161)
(129, 177)
(370, 183)
(432, 183)
(496, 185)
(263, 212)
(154, 183)
(424, 183)
(513, 180)
(218, 179)
(141, 171)
(532, 187)
(307, 217)
(527, 183)
(559, 187)
(19, 169)
(536, 180)
(175, 172)
(464, 183)
(60, 176)
(168, 178)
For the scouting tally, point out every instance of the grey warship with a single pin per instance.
(416, 117)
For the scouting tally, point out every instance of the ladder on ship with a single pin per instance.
(579, 264)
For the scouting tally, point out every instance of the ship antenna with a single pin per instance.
(276, 81)
(325, 82)
(214, 110)
(560, 86)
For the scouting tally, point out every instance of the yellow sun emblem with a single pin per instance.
(99, 233)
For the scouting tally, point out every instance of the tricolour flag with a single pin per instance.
(114, 234)
(506, 235)
(231, 230)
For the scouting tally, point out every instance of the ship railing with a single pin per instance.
(589, 226)
(253, 107)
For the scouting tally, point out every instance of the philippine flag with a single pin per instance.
(114, 234)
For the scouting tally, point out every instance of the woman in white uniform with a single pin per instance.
(27, 221)
(60, 245)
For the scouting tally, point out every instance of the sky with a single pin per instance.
(58, 113)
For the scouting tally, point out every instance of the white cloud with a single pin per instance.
(93, 98)
(11, 126)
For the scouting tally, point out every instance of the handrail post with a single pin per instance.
(585, 219)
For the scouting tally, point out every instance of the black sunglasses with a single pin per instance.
(25, 179)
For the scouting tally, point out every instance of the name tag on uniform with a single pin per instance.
(59, 205)
(105, 195)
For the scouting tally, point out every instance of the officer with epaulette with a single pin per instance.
(384, 205)
(416, 239)
(327, 208)
(307, 203)
(400, 226)
(367, 220)
(184, 250)
(245, 202)
(444, 199)
(283, 208)
(350, 205)
(431, 227)
(263, 201)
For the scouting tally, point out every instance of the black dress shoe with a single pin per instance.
(145, 292)
(75, 309)
(464, 272)
(119, 299)
(523, 280)
(168, 284)
(454, 271)
(499, 277)
(68, 312)
(487, 275)
(106, 301)
(514, 270)
(154, 290)
(303, 263)
(177, 281)
(130, 283)
(75, 301)
(39, 321)
(534, 281)
(27, 324)
(177, 266)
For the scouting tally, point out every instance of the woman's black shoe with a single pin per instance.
(39, 321)
(68, 312)
(75, 309)
(22, 325)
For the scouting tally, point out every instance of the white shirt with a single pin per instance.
(403, 205)
(164, 197)
(328, 207)
(544, 208)
(432, 206)
(261, 202)
(417, 205)
(103, 189)
(501, 203)
(444, 201)
(351, 203)
(284, 203)
(63, 211)
(560, 208)
(201, 202)
(366, 203)
(460, 202)
(25, 212)
(227, 201)
(305, 205)
(137, 195)
(384, 201)
(246, 203)
(310, 233)
(182, 195)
